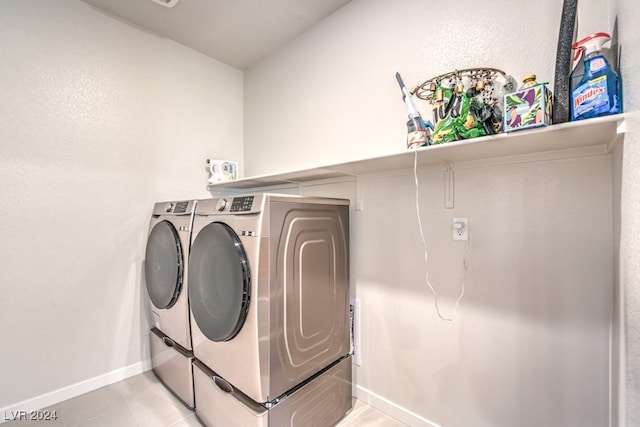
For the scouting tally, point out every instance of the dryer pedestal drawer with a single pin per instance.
(173, 365)
(321, 402)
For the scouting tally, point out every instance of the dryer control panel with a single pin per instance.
(242, 204)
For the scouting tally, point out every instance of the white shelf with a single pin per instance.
(587, 137)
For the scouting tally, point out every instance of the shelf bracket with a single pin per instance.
(448, 186)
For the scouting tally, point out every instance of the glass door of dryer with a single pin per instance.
(219, 282)
(164, 265)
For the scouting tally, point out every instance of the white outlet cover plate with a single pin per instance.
(460, 233)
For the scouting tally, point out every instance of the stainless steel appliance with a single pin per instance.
(166, 267)
(269, 298)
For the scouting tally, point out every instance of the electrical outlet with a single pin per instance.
(460, 229)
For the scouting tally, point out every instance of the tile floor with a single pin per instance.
(142, 401)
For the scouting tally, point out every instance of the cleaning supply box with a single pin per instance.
(529, 107)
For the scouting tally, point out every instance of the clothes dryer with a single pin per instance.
(166, 266)
(269, 289)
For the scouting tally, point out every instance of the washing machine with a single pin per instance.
(166, 267)
(269, 291)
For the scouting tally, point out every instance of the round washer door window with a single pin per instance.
(163, 265)
(219, 282)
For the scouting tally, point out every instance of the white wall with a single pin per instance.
(96, 120)
(531, 343)
(331, 96)
(99, 121)
(629, 14)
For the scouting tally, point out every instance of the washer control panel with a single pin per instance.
(176, 207)
(242, 204)
(181, 207)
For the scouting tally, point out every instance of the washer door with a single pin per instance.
(219, 282)
(164, 265)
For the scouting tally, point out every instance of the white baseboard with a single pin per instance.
(392, 409)
(74, 390)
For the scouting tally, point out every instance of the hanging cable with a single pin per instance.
(426, 254)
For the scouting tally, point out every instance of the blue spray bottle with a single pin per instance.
(597, 93)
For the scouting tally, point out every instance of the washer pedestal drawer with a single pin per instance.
(173, 365)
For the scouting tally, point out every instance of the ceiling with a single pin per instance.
(236, 32)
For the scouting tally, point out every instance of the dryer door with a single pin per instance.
(164, 265)
(219, 282)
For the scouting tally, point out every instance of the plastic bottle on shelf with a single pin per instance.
(597, 93)
(528, 81)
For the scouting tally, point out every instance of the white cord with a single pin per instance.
(426, 254)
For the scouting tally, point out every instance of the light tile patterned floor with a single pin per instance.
(142, 401)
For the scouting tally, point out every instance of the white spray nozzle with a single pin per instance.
(590, 44)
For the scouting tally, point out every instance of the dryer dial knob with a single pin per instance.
(222, 203)
(168, 207)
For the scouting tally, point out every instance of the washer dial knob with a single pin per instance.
(222, 203)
